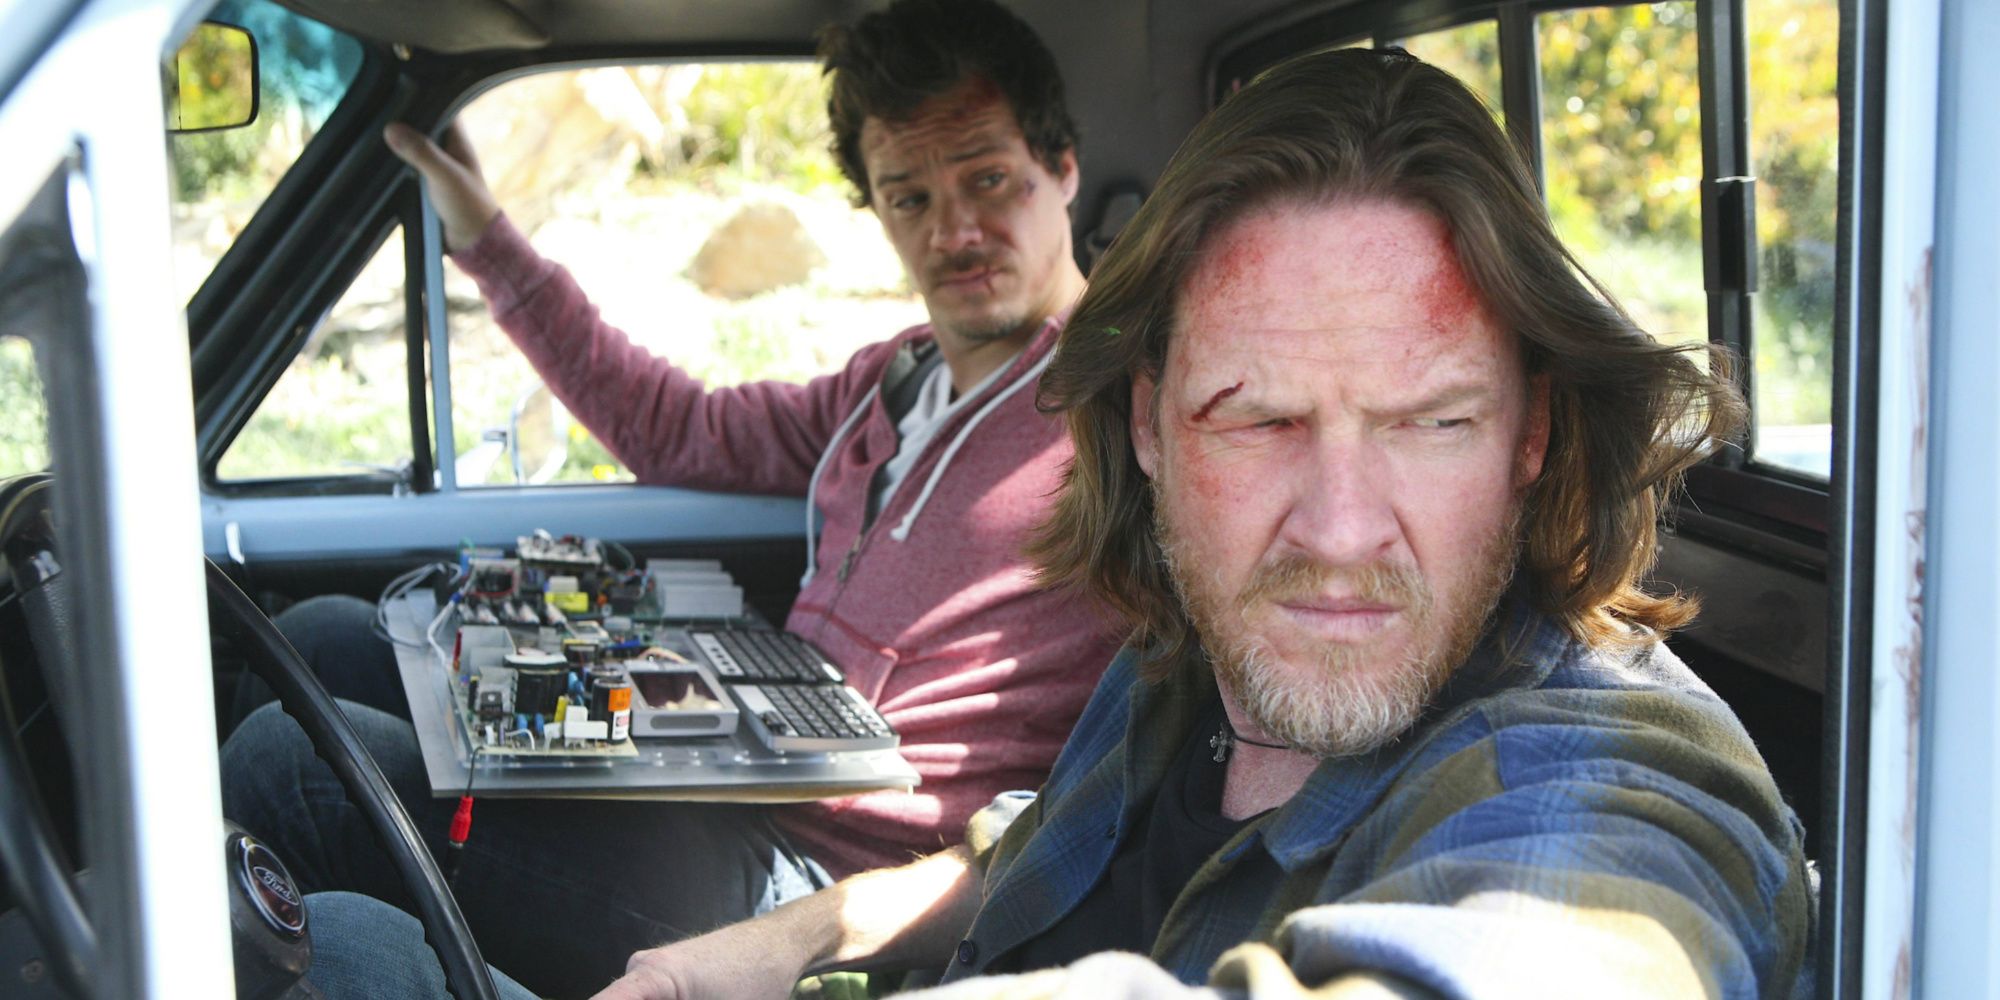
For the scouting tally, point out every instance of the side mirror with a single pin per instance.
(213, 82)
(538, 440)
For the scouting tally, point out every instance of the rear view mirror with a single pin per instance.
(213, 81)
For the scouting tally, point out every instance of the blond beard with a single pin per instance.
(1337, 706)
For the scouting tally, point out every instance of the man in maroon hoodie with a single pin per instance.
(926, 467)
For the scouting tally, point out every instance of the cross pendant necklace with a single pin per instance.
(1226, 736)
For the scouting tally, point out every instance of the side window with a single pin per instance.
(342, 407)
(1794, 145)
(221, 178)
(1470, 52)
(1621, 140)
(700, 209)
(24, 435)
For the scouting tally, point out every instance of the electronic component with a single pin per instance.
(540, 679)
(798, 718)
(696, 593)
(492, 693)
(678, 699)
(582, 654)
(589, 632)
(491, 578)
(481, 646)
(628, 593)
(764, 656)
(573, 692)
(568, 554)
(611, 698)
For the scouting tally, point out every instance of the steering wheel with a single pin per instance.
(50, 898)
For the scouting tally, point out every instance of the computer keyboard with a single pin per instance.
(793, 697)
(817, 718)
(764, 656)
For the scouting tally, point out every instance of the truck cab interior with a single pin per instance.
(1736, 172)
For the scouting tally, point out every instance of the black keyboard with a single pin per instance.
(793, 697)
(763, 656)
(799, 718)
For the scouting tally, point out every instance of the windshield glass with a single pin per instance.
(220, 178)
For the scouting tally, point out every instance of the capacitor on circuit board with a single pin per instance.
(582, 654)
(611, 699)
(539, 679)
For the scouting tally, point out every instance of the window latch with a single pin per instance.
(1732, 204)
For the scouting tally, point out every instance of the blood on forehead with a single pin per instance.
(1428, 262)
(1424, 263)
(1447, 295)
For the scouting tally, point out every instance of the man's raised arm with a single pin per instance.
(465, 205)
(908, 917)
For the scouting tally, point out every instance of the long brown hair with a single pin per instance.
(1627, 414)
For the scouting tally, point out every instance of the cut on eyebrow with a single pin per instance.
(1231, 401)
(1202, 414)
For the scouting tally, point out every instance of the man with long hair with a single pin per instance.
(1374, 470)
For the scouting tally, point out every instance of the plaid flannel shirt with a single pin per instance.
(1564, 821)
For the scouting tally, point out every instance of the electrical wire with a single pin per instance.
(631, 563)
(430, 632)
(403, 585)
(461, 823)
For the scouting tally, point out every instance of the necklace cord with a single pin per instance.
(1236, 737)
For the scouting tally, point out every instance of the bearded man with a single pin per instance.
(1373, 469)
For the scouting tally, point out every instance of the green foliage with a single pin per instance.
(214, 79)
(225, 163)
(1621, 120)
(24, 435)
(755, 345)
(1621, 135)
(327, 417)
(1469, 51)
(757, 122)
(1621, 139)
(589, 460)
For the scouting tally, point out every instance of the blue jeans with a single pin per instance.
(559, 893)
(365, 949)
(335, 635)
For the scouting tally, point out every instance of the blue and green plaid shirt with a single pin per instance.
(1563, 821)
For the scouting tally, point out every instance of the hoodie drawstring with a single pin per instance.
(812, 485)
